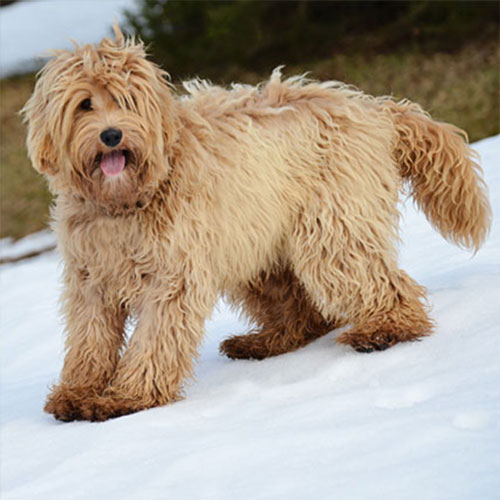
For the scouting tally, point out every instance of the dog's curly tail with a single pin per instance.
(443, 174)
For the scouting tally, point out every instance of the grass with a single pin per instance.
(461, 88)
(24, 199)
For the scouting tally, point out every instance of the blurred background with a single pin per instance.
(441, 54)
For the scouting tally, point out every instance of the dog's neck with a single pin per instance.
(93, 209)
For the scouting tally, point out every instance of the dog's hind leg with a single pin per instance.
(353, 271)
(397, 314)
(343, 247)
(287, 320)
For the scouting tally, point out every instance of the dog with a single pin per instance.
(281, 197)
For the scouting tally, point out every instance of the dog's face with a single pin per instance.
(100, 123)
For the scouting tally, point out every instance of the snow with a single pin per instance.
(418, 421)
(33, 243)
(30, 28)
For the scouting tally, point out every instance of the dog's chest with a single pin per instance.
(117, 254)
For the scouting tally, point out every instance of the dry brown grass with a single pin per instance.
(461, 88)
(24, 199)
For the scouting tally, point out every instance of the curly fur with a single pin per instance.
(283, 197)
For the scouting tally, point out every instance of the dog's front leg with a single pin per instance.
(159, 357)
(94, 328)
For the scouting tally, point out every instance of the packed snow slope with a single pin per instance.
(418, 421)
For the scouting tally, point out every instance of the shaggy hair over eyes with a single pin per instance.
(282, 197)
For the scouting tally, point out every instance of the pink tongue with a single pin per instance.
(113, 163)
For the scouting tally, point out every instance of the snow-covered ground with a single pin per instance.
(11, 250)
(28, 29)
(418, 421)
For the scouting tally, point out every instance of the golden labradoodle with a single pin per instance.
(283, 197)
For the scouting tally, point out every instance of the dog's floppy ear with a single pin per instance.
(39, 143)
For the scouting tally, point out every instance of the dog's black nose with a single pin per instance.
(111, 137)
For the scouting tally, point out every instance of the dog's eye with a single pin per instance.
(86, 105)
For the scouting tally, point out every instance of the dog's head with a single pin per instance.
(100, 123)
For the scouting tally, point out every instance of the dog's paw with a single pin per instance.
(368, 342)
(112, 405)
(69, 403)
(242, 347)
(78, 403)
